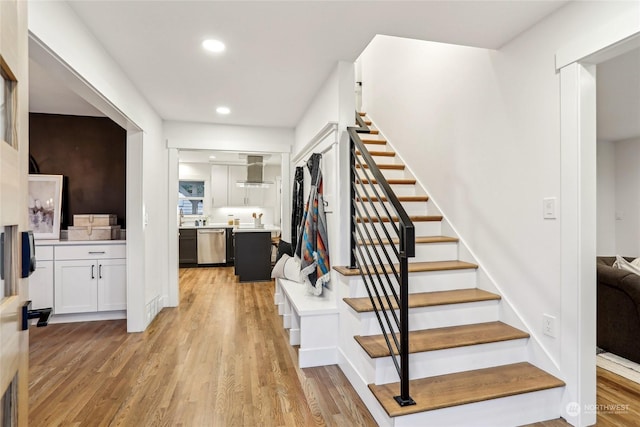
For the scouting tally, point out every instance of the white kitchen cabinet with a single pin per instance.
(243, 196)
(219, 186)
(90, 278)
(225, 191)
(76, 286)
(237, 195)
(112, 275)
(41, 280)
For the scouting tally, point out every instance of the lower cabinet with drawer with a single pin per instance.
(90, 278)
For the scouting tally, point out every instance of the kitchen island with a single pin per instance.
(253, 253)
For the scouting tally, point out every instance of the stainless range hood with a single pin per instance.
(255, 173)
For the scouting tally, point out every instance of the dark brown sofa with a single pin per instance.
(618, 323)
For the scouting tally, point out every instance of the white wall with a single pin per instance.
(606, 199)
(323, 109)
(57, 29)
(202, 171)
(480, 130)
(627, 197)
(205, 136)
(334, 103)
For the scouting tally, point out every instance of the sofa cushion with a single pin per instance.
(623, 264)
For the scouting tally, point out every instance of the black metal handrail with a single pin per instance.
(382, 270)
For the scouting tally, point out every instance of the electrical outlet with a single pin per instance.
(549, 325)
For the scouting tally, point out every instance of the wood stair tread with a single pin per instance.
(367, 122)
(416, 267)
(374, 131)
(379, 153)
(427, 299)
(404, 181)
(461, 388)
(419, 240)
(384, 166)
(413, 218)
(400, 198)
(442, 338)
(361, 114)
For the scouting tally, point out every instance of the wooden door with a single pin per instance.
(14, 342)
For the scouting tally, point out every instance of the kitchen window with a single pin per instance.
(191, 197)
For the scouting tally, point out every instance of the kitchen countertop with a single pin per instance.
(242, 228)
(251, 229)
(213, 225)
(40, 242)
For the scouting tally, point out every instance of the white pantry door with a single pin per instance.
(14, 146)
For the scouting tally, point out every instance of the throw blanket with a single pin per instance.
(313, 247)
(298, 205)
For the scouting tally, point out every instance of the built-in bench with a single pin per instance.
(312, 322)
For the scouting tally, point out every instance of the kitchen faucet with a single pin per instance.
(181, 217)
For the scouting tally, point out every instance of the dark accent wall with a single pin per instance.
(91, 153)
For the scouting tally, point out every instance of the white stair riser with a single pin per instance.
(441, 362)
(398, 189)
(520, 409)
(435, 317)
(509, 411)
(376, 136)
(387, 173)
(424, 251)
(422, 228)
(429, 281)
(411, 208)
(381, 160)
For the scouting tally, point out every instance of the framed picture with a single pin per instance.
(44, 206)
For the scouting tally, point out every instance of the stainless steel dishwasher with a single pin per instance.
(212, 246)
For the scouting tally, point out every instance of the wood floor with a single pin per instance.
(220, 359)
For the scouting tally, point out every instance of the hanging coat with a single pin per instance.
(298, 205)
(313, 246)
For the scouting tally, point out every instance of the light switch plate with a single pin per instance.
(549, 208)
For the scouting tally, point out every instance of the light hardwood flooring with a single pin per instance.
(221, 358)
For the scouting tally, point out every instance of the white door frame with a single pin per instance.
(41, 53)
(576, 64)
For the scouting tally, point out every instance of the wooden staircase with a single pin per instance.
(466, 366)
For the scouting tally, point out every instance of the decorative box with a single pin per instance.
(104, 232)
(85, 220)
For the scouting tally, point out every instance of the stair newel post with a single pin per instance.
(407, 249)
(352, 178)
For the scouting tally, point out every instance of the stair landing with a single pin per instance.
(461, 388)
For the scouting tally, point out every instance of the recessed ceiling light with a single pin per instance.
(223, 110)
(212, 157)
(213, 45)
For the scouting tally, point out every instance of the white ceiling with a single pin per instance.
(47, 95)
(278, 53)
